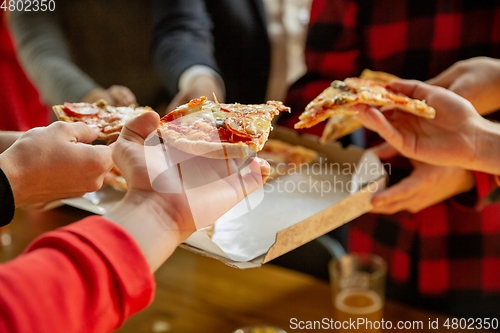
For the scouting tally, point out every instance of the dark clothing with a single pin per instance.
(7, 206)
(230, 36)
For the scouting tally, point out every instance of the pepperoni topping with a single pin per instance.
(80, 109)
(224, 134)
(197, 101)
(169, 117)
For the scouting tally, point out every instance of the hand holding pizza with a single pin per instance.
(476, 79)
(457, 136)
(55, 162)
(171, 194)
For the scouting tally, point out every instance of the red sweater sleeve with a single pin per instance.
(87, 277)
(485, 183)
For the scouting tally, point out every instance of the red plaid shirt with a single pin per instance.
(446, 257)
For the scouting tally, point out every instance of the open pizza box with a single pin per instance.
(288, 211)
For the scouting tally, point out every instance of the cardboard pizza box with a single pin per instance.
(288, 211)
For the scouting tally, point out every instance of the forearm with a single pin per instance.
(7, 139)
(87, 277)
(43, 52)
(150, 224)
(487, 152)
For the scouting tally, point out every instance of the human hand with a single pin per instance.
(457, 136)
(55, 162)
(122, 96)
(115, 95)
(202, 85)
(170, 193)
(425, 186)
(476, 79)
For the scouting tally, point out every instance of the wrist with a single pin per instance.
(486, 154)
(148, 220)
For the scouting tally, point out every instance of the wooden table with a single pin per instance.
(198, 294)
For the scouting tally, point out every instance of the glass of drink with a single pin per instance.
(358, 289)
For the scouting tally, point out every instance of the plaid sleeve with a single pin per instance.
(332, 52)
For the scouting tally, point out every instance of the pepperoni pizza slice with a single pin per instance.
(108, 119)
(221, 131)
(341, 95)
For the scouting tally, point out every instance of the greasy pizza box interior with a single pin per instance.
(288, 212)
(258, 237)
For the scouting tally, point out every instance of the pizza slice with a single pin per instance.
(115, 179)
(221, 131)
(340, 125)
(341, 95)
(283, 156)
(108, 119)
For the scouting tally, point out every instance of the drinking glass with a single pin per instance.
(358, 290)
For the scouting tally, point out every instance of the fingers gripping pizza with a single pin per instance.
(200, 127)
(340, 125)
(341, 95)
(108, 119)
(221, 131)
